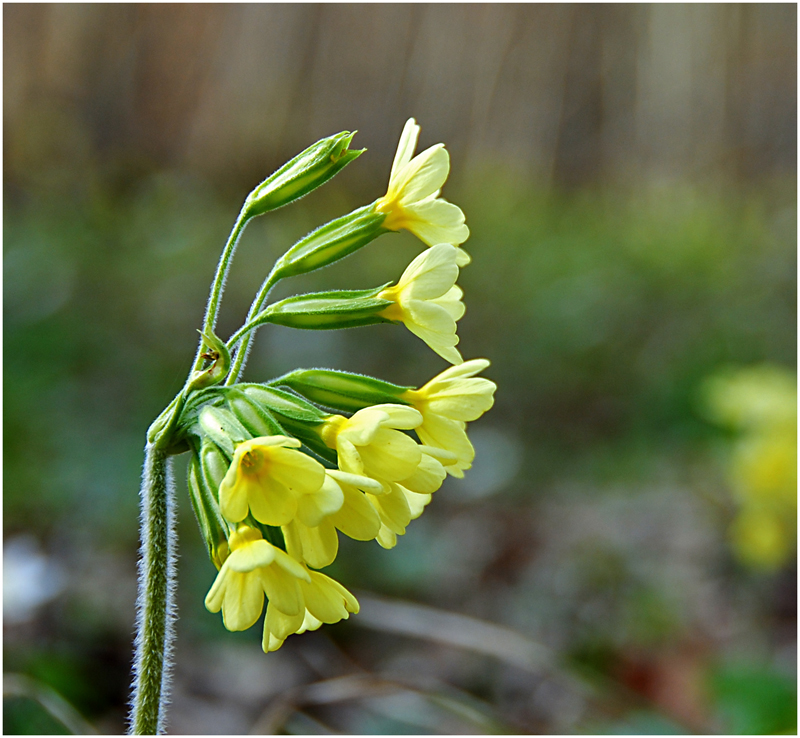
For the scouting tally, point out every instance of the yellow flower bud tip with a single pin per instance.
(427, 300)
(412, 199)
(266, 477)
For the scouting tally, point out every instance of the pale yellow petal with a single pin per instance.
(312, 508)
(428, 476)
(243, 600)
(405, 148)
(386, 538)
(436, 221)
(357, 519)
(283, 589)
(273, 503)
(280, 624)
(423, 176)
(251, 556)
(391, 456)
(320, 544)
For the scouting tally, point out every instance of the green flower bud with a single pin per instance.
(343, 390)
(206, 510)
(222, 427)
(327, 310)
(307, 171)
(284, 403)
(256, 418)
(300, 418)
(332, 241)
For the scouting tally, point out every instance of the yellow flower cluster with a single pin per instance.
(383, 481)
(384, 477)
(761, 403)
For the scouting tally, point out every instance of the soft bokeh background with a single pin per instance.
(629, 176)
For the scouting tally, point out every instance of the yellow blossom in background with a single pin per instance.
(370, 442)
(428, 301)
(447, 403)
(254, 568)
(326, 601)
(761, 403)
(412, 199)
(269, 476)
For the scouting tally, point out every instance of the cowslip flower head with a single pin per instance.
(269, 477)
(314, 539)
(412, 200)
(326, 601)
(446, 404)
(370, 442)
(254, 568)
(428, 301)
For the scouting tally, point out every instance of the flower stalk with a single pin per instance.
(274, 478)
(155, 608)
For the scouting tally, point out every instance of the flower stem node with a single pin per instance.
(412, 200)
(307, 171)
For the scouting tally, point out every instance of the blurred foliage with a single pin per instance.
(754, 701)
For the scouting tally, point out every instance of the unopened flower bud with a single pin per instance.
(328, 310)
(307, 171)
(343, 390)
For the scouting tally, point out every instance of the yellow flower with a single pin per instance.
(255, 568)
(428, 301)
(370, 443)
(412, 200)
(406, 501)
(270, 477)
(315, 541)
(446, 403)
(326, 601)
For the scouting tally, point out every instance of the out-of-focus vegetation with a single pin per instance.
(581, 577)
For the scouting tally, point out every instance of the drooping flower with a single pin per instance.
(315, 541)
(412, 199)
(254, 568)
(370, 442)
(406, 500)
(447, 403)
(270, 477)
(428, 301)
(326, 601)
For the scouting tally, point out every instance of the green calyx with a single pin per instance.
(327, 310)
(343, 391)
(332, 241)
(307, 171)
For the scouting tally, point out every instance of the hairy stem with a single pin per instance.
(155, 606)
(218, 286)
(244, 346)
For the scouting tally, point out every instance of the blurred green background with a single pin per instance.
(629, 178)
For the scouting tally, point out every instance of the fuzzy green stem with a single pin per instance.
(156, 613)
(218, 286)
(244, 347)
